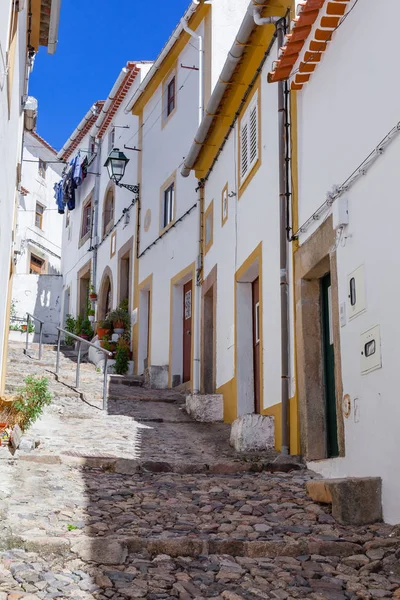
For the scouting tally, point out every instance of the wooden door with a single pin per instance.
(329, 369)
(256, 344)
(187, 330)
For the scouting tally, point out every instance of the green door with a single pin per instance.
(329, 368)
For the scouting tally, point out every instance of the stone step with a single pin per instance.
(136, 381)
(355, 500)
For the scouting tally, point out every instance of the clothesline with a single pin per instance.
(73, 177)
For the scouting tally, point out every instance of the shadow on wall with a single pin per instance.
(48, 306)
(39, 295)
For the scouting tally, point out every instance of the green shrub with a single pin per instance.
(122, 358)
(33, 397)
(70, 325)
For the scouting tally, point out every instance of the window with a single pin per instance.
(111, 140)
(249, 139)
(36, 265)
(39, 215)
(86, 219)
(92, 148)
(170, 96)
(224, 205)
(108, 214)
(168, 208)
(209, 226)
(42, 168)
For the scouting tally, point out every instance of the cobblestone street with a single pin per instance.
(144, 503)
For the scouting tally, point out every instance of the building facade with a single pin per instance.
(37, 281)
(99, 233)
(345, 262)
(20, 39)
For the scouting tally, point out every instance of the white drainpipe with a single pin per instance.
(258, 20)
(201, 74)
(197, 290)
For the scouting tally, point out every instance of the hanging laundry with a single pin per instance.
(69, 188)
(77, 168)
(58, 195)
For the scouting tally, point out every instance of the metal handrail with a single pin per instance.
(29, 316)
(107, 353)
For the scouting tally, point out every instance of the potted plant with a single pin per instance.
(24, 327)
(120, 320)
(86, 330)
(103, 328)
(91, 315)
(92, 293)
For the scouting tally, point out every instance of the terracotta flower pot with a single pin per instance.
(119, 325)
(93, 296)
(101, 332)
(24, 327)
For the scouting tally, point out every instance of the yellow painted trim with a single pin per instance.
(168, 62)
(147, 285)
(224, 190)
(229, 392)
(243, 185)
(36, 6)
(255, 50)
(165, 185)
(209, 214)
(178, 279)
(164, 117)
(135, 327)
(256, 255)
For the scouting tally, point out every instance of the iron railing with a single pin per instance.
(28, 322)
(80, 341)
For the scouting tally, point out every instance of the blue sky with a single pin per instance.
(96, 39)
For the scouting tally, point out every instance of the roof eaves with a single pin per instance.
(305, 44)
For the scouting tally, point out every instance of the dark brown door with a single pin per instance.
(187, 330)
(256, 344)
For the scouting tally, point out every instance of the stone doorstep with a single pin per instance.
(355, 500)
(130, 466)
(116, 549)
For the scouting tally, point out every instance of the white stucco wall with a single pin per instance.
(163, 149)
(74, 256)
(252, 219)
(40, 295)
(344, 111)
(40, 190)
(11, 123)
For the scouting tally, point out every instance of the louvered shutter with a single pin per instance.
(253, 142)
(244, 148)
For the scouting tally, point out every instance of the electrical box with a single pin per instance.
(340, 212)
(371, 356)
(356, 293)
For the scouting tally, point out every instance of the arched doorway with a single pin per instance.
(105, 298)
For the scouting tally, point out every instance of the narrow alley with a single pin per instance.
(144, 503)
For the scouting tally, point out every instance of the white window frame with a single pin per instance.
(111, 140)
(249, 138)
(168, 205)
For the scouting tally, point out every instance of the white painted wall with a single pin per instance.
(345, 110)
(40, 190)
(40, 295)
(252, 219)
(163, 150)
(11, 122)
(75, 257)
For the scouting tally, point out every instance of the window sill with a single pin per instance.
(164, 229)
(249, 177)
(84, 239)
